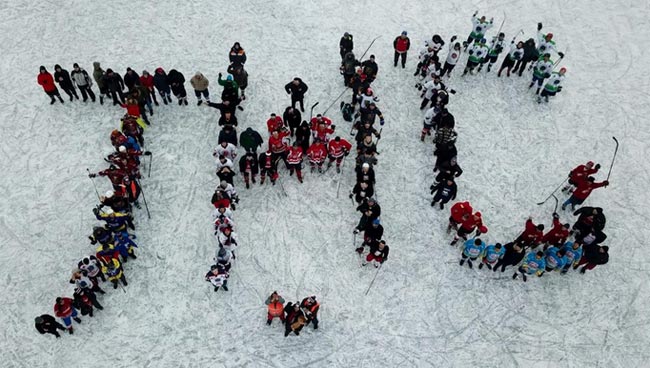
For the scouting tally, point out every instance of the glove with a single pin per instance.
(453, 38)
(546, 75)
(476, 12)
(561, 55)
(539, 26)
(346, 152)
(220, 75)
(597, 166)
(559, 89)
(555, 215)
(606, 182)
(350, 195)
(96, 211)
(147, 153)
(92, 175)
(491, 19)
(333, 126)
(378, 136)
(382, 121)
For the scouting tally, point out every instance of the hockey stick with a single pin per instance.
(369, 46)
(338, 186)
(144, 199)
(552, 193)
(311, 111)
(373, 279)
(502, 22)
(613, 158)
(333, 102)
(148, 153)
(377, 143)
(556, 203)
(282, 187)
(99, 198)
(121, 286)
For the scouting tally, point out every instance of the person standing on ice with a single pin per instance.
(161, 82)
(479, 27)
(177, 83)
(377, 255)
(573, 253)
(496, 47)
(146, 81)
(557, 235)
(430, 92)
(530, 55)
(218, 277)
(346, 44)
(532, 235)
(491, 255)
(65, 310)
(237, 54)
(553, 85)
(401, 44)
(200, 85)
(473, 222)
(372, 234)
(310, 307)
(297, 89)
(294, 160)
(541, 70)
(294, 320)
(275, 307)
(578, 174)
(545, 43)
(445, 191)
(348, 69)
(370, 69)
(370, 210)
(472, 249)
(514, 253)
(515, 54)
(228, 240)
(62, 77)
(98, 76)
(534, 264)
(555, 259)
(452, 57)
(46, 80)
(115, 86)
(82, 80)
(248, 167)
(361, 191)
(338, 148)
(477, 52)
(45, 323)
(584, 189)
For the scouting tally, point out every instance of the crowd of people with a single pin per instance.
(114, 239)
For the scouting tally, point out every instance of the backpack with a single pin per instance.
(347, 110)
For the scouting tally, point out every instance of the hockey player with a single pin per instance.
(115, 221)
(45, 323)
(220, 199)
(496, 47)
(223, 257)
(370, 210)
(532, 235)
(294, 160)
(84, 300)
(533, 265)
(472, 249)
(337, 149)
(423, 60)
(473, 222)
(545, 43)
(317, 154)
(113, 270)
(370, 69)
(177, 83)
(541, 70)
(366, 98)
(555, 259)
(295, 319)
(227, 150)
(515, 53)
(553, 85)
(444, 153)
(310, 307)
(430, 92)
(348, 68)
(65, 310)
(428, 122)
(225, 170)
(583, 191)
(491, 255)
(274, 123)
(361, 191)
(218, 277)
(557, 235)
(479, 27)
(365, 173)
(476, 53)
(401, 44)
(278, 145)
(452, 57)
(322, 132)
(514, 253)
(372, 234)
(378, 254)
(449, 170)
(573, 253)
(297, 89)
(593, 255)
(365, 129)
(93, 267)
(369, 114)
(460, 212)
(303, 136)
(444, 192)
(221, 222)
(578, 174)
(230, 190)
(228, 239)
(275, 306)
(248, 168)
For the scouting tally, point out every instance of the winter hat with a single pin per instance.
(109, 71)
(404, 33)
(346, 34)
(128, 69)
(372, 57)
(376, 221)
(198, 74)
(42, 68)
(229, 77)
(562, 70)
(365, 165)
(75, 65)
(144, 72)
(57, 66)
(38, 320)
(96, 64)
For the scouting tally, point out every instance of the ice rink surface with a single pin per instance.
(423, 310)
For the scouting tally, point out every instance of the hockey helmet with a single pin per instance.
(549, 36)
(562, 70)
(483, 41)
(590, 164)
(369, 91)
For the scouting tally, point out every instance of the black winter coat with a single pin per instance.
(114, 82)
(228, 135)
(375, 210)
(298, 91)
(161, 82)
(445, 191)
(62, 77)
(372, 233)
(530, 51)
(369, 176)
(598, 221)
(131, 79)
(346, 44)
(253, 163)
(292, 118)
(370, 68)
(447, 121)
(49, 324)
(593, 255)
(250, 139)
(511, 257)
(175, 78)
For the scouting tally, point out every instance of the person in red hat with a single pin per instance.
(473, 222)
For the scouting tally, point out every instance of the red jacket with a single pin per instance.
(65, 309)
(557, 235)
(585, 187)
(46, 81)
(274, 124)
(532, 234)
(313, 123)
(472, 222)
(278, 145)
(402, 44)
(116, 176)
(581, 173)
(338, 149)
(317, 152)
(133, 110)
(322, 134)
(295, 155)
(147, 81)
(460, 211)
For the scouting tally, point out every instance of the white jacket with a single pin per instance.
(431, 88)
(229, 152)
(221, 165)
